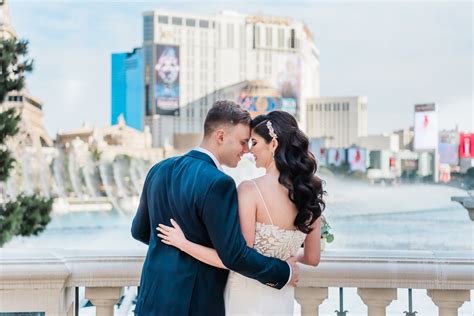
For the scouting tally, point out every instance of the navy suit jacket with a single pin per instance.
(203, 201)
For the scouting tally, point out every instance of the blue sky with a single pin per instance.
(396, 53)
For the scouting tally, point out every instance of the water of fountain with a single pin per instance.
(57, 164)
(108, 188)
(44, 173)
(142, 169)
(73, 176)
(88, 173)
(25, 164)
(118, 179)
(134, 175)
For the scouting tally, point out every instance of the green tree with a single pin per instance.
(9, 120)
(27, 215)
(11, 215)
(36, 216)
(13, 65)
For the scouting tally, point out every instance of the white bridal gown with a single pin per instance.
(244, 296)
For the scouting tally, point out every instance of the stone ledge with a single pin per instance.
(47, 268)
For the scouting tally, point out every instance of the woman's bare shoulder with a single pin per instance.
(246, 186)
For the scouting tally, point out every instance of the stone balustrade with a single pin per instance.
(45, 280)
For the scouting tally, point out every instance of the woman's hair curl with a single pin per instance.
(296, 164)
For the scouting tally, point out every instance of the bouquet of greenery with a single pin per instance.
(325, 233)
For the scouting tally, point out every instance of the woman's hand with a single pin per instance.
(172, 236)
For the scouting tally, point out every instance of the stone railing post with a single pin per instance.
(377, 300)
(449, 301)
(104, 299)
(310, 298)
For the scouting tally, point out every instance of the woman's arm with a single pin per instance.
(247, 211)
(174, 236)
(312, 246)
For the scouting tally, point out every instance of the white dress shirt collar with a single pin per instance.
(207, 152)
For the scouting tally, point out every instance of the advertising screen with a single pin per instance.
(448, 154)
(426, 127)
(288, 81)
(259, 105)
(466, 145)
(167, 79)
(316, 146)
(357, 159)
(336, 156)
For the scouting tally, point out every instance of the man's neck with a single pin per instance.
(211, 149)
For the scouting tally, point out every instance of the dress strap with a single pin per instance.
(264, 204)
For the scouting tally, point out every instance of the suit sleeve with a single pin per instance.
(220, 217)
(141, 229)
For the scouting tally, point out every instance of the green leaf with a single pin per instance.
(330, 238)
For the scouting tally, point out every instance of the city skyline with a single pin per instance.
(395, 65)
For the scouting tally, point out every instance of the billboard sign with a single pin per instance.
(466, 145)
(289, 105)
(336, 156)
(426, 127)
(259, 105)
(167, 79)
(316, 146)
(357, 159)
(448, 154)
(288, 81)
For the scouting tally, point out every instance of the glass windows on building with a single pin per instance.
(281, 38)
(190, 22)
(176, 21)
(148, 28)
(131, 64)
(293, 39)
(15, 98)
(204, 24)
(128, 88)
(256, 36)
(230, 35)
(163, 19)
(242, 36)
(268, 36)
(268, 63)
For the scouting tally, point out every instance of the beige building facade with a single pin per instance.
(339, 120)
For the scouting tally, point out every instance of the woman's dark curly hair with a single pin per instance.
(296, 164)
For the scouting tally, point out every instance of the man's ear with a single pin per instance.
(219, 135)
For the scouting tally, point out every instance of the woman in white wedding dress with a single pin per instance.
(278, 213)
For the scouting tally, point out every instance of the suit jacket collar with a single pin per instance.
(203, 156)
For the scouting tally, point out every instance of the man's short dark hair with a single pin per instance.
(225, 112)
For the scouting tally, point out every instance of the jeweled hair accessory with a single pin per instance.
(271, 131)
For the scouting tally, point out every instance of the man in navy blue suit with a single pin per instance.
(193, 190)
